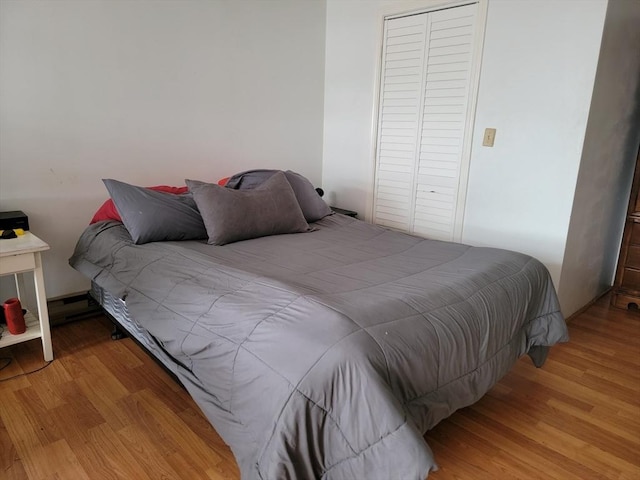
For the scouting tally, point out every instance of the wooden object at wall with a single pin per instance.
(626, 289)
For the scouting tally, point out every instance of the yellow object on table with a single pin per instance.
(18, 231)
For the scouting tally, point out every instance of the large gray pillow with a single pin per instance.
(313, 206)
(152, 216)
(231, 215)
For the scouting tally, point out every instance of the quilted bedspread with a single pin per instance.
(328, 354)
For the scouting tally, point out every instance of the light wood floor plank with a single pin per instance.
(106, 410)
(22, 428)
(144, 448)
(55, 460)
(12, 468)
(105, 456)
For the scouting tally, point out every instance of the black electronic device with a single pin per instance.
(13, 220)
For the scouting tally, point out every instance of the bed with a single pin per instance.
(326, 354)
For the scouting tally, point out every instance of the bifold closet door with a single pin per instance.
(424, 99)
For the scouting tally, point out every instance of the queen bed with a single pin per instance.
(325, 354)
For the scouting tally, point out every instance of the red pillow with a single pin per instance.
(108, 210)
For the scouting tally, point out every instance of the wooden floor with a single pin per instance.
(104, 410)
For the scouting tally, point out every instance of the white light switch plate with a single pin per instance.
(489, 137)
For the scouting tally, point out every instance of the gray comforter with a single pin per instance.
(328, 354)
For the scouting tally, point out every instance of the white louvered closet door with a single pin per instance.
(423, 110)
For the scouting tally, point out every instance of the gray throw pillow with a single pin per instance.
(232, 215)
(152, 216)
(313, 206)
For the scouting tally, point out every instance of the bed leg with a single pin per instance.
(117, 333)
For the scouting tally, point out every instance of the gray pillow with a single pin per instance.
(313, 206)
(231, 215)
(152, 216)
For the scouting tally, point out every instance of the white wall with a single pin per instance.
(538, 71)
(352, 50)
(149, 92)
(608, 161)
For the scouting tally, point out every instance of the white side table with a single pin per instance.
(21, 255)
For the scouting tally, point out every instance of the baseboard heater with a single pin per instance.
(72, 307)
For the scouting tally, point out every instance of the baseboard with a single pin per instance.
(69, 308)
(581, 310)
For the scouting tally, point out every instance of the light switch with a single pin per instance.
(489, 137)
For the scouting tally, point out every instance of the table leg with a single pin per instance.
(43, 312)
(20, 289)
